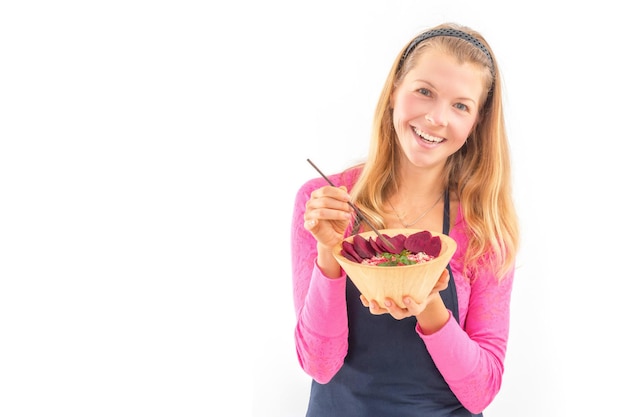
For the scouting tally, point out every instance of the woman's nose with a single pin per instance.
(437, 117)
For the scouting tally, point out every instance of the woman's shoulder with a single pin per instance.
(347, 178)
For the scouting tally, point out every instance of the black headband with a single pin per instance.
(447, 32)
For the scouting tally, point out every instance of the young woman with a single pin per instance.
(438, 160)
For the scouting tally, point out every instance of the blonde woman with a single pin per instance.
(439, 160)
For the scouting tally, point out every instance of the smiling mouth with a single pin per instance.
(427, 137)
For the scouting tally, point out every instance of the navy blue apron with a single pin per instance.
(388, 371)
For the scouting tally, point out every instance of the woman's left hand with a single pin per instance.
(413, 308)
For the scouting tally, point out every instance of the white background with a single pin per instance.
(149, 157)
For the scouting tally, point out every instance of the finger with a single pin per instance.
(310, 224)
(445, 275)
(329, 198)
(340, 214)
(364, 301)
(376, 309)
(336, 193)
(395, 310)
(443, 282)
(413, 308)
(439, 287)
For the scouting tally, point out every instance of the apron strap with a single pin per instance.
(454, 301)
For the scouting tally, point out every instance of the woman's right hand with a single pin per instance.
(326, 217)
(328, 214)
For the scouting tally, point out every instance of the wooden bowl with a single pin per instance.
(395, 282)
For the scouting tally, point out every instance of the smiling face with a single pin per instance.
(435, 108)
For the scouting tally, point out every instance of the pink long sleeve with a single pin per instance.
(321, 334)
(470, 354)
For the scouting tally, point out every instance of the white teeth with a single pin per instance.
(427, 136)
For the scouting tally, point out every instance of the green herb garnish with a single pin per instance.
(395, 259)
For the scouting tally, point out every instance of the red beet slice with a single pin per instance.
(348, 249)
(381, 244)
(434, 246)
(375, 245)
(349, 257)
(362, 247)
(397, 243)
(418, 242)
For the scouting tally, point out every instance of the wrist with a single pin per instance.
(327, 263)
(434, 316)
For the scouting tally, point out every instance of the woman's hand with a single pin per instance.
(413, 308)
(327, 215)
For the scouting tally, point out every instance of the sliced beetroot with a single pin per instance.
(396, 243)
(417, 242)
(375, 245)
(348, 248)
(349, 257)
(362, 247)
(381, 243)
(434, 246)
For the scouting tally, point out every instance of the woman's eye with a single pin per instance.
(423, 91)
(461, 106)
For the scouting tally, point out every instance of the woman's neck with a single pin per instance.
(418, 186)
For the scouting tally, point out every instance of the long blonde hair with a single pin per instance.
(479, 173)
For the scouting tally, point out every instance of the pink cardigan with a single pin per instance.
(469, 355)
